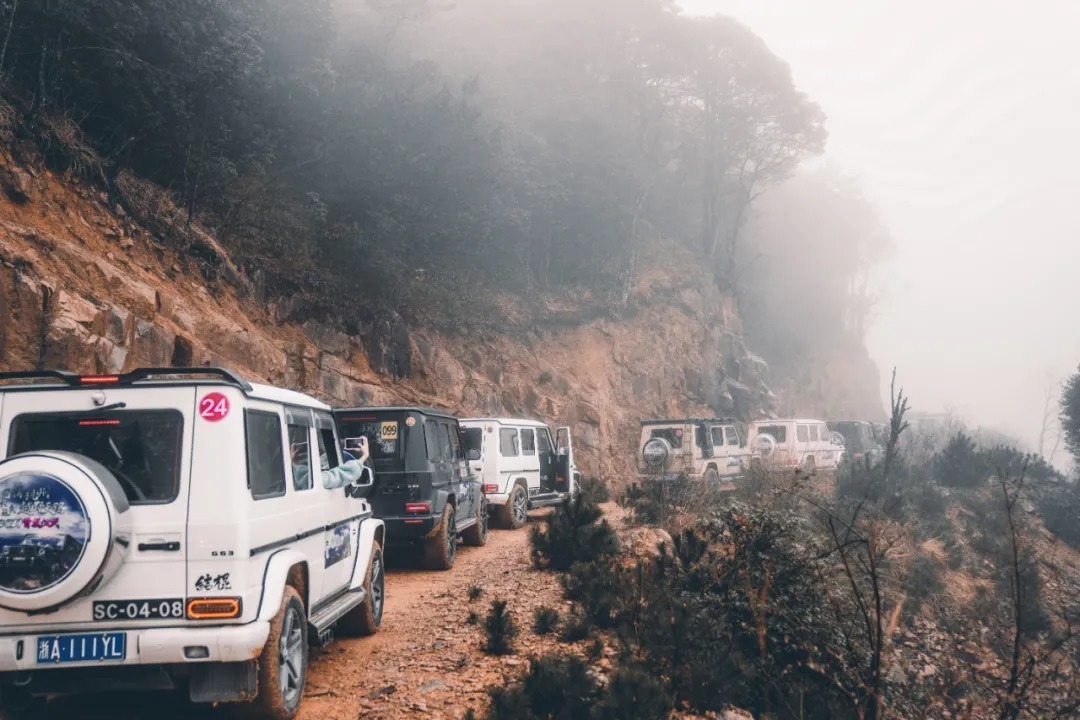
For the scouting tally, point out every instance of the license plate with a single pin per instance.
(103, 647)
(156, 609)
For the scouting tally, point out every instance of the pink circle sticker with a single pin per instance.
(214, 407)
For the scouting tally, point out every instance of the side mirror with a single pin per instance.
(363, 486)
(473, 454)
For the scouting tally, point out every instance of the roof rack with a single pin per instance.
(674, 421)
(74, 380)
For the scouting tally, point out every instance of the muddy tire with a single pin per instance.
(477, 535)
(440, 550)
(283, 662)
(515, 513)
(365, 618)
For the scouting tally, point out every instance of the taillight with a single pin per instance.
(856, 455)
(417, 508)
(99, 379)
(491, 488)
(225, 608)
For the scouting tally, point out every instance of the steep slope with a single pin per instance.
(88, 289)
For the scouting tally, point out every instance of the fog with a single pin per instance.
(959, 120)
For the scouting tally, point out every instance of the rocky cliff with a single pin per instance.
(87, 288)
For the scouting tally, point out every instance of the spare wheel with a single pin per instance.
(656, 452)
(764, 444)
(64, 529)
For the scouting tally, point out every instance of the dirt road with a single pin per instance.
(426, 660)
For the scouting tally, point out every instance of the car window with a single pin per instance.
(508, 442)
(300, 457)
(432, 440)
(717, 435)
(384, 435)
(779, 432)
(265, 455)
(814, 433)
(825, 434)
(674, 436)
(328, 449)
(543, 441)
(528, 442)
(801, 433)
(142, 448)
(453, 449)
(474, 438)
(732, 436)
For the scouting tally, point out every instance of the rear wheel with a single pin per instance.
(478, 533)
(283, 662)
(517, 507)
(440, 551)
(364, 619)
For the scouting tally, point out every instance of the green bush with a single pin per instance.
(633, 693)
(572, 534)
(923, 580)
(594, 490)
(1059, 508)
(545, 620)
(500, 629)
(474, 592)
(575, 629)
(554, 688)
(960, 465)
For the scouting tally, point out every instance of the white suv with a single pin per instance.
(520, 465)
(169, 528)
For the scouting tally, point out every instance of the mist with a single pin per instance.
(958, 121)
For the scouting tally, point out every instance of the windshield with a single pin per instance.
(140, 447)
(385, 433)
(850, 431)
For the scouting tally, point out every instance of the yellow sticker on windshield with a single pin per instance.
(388, 431)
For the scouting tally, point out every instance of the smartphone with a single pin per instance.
(354, 443)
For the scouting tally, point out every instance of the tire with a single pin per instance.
(516, 509)
(477, 535)
(440, 551)
(284, 660)
(712, 477)
(810, 466)
(365, 618)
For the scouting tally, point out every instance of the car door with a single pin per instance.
(530, 460)
(564, 461)
(460, 477)
(731, 453)
(443, 480)
(342, 512)
(545, 450)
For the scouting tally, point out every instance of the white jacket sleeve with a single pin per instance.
(344, 474)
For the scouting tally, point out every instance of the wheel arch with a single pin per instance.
(284, 568)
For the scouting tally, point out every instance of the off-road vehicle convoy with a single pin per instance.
(176, 528)
(425, 492)
(707, 449)
(520, 465)
(860, 441)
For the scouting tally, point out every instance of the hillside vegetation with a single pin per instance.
(453, 164)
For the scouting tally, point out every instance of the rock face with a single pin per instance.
(85, 290)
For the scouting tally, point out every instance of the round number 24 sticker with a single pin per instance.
(213, 407)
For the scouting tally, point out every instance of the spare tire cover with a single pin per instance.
(64, 528)
(764, 444)
(656, 452)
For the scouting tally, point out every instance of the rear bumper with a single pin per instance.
(409, 528)
(152, 646)
(497, 498)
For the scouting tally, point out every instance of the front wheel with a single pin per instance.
(283, 662)
(365, 618)
(440, 551)
(477, 535)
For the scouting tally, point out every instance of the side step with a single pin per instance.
(323, 619)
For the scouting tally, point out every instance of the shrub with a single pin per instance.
(959, 464)
(554, 687)
(475, 591)
(597, 587)
(633, 693)
(500, 629)
(473, 618)
(545, 620)
(594, 490)
(575, 629)
(595, 649)
(571, 534)
(1060, 511)
(923, 580)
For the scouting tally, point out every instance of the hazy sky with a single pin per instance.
(961, 119)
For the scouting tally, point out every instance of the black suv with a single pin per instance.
(860, 440)
(424, 490)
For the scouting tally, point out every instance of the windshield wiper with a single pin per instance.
(106, 408)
